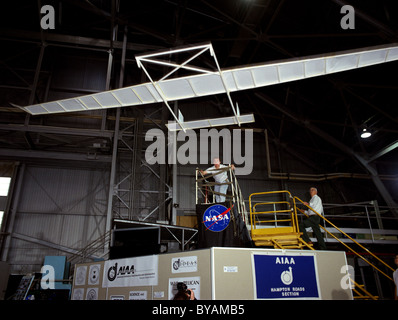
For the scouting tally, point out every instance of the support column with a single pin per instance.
(111, 192)
(109, 212)
(174, 170)
(163, 174)
(136, 166)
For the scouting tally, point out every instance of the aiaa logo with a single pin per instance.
(114, 272)
(287, 276)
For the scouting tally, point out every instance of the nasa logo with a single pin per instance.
(216, 218)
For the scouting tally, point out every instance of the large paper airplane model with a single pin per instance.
(204, 82)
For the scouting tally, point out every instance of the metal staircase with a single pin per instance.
(275, 223)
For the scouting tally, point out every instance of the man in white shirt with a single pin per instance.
(221, 177)
(395, 276)
(313, 219)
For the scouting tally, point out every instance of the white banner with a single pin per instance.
(131, 272)
(184, 264)
(192, 283)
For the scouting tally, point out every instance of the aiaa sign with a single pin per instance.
(285, 277)
(131, 272)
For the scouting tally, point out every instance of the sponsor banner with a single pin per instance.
(131, 272)
(285, 277)
(137, 295)
(193, 283)
(184, 264)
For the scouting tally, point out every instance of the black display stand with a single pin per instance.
(234, 235)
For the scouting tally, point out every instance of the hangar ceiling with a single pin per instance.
(94, 42)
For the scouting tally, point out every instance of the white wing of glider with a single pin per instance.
(222, 81)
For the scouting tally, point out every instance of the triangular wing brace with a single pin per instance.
(197, 50)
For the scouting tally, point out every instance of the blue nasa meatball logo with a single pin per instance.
(216, 218)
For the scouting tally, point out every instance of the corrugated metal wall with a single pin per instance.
(58, 208)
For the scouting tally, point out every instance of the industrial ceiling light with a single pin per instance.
(365, 134)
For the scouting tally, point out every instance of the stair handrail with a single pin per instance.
(361, 288)
(237, 195)
(349, 237)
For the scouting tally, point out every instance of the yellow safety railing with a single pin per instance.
(349, 237)
(254, 213)
(282, 236)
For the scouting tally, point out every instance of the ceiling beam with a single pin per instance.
(18, 154)
(385, 150)
(57, 130)
(58, 39)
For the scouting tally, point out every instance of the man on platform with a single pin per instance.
(221, 178)
(313, 219)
